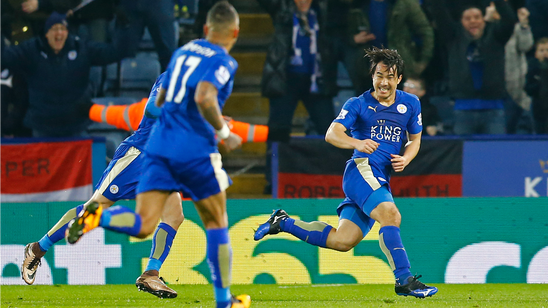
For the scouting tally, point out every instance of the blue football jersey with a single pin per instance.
(181, 133)
(366, 118)
(139, 138)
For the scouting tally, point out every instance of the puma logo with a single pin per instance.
(31, 276)
(372, 108)
(275, 219)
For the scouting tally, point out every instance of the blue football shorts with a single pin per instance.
(122, 174)
(364, 191)
(198, 179)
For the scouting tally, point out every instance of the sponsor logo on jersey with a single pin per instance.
(420, 119)
(388, 133)
(402, 108)
(372, 108)
(342, 114)
(114, 189)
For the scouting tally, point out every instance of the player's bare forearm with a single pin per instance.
(336, 135)
(208, 105)
(161, 97)
(413, 146)
(399, 162)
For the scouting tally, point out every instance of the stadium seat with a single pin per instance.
(96, 80)
(139, 73)
(146, 43)
(132, 77)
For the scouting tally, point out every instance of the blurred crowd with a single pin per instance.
(479, 67)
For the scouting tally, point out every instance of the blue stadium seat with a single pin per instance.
(96, 79)
(132, 76)
(139, 73)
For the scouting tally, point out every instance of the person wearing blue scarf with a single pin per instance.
(293, 70)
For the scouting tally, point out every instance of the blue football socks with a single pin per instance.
(314, 233)
(121, 219)
(219, 259)
(391, 245)
(161, 245)
(57, 232)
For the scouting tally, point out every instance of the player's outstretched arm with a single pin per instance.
(336, 135)
(411, 149)
(208, 105)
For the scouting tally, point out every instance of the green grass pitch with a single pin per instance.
(301, 296)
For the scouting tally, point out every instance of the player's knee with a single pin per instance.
(395, 216)
(344, 246)
(391, 217)
(147, 228)
(342, 243)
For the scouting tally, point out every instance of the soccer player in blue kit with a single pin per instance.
(182, 154)
(378, 120)
(119, 182)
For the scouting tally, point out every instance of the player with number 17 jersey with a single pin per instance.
(182, 133)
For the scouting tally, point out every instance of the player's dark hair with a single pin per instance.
(389, 57)
(221, 14)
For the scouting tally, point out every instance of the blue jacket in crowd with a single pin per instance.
(58, 84)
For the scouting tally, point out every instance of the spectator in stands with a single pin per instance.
(538, 18)
(293, 70)
(518, 104)
(158, 17)
(57, 71)
(337, 46)
(537, 85)
(95, 15)
(430, 118)
(476, 66)
(394, 24)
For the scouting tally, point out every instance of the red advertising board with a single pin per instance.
(46, 171)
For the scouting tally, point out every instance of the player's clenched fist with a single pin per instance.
(233, 142)
(367, 146)
(398, 162)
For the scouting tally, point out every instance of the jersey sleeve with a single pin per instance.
(220, 72)
(151, 110)
(349, 113)
(414, 126)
